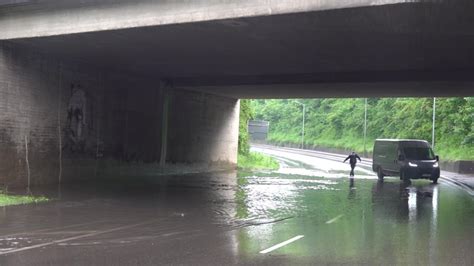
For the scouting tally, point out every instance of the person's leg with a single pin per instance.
(352, 169)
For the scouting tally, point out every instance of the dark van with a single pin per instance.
(407, 158)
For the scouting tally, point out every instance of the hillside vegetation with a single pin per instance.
(246, 159)
(339, 123)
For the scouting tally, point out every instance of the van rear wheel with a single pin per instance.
(380, 173)
(403, 176)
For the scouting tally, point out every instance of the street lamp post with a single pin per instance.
(434, 123)
(302, 128)
(365, 127)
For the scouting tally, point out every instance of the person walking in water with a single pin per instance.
(353, 161)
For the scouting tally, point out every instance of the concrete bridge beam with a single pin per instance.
(27, 19)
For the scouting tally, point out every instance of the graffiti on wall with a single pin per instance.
(75, 130)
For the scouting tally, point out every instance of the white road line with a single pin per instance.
(50, 229)
(334, 219)
(74, 238)
(277, 246)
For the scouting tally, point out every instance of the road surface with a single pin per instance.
(319, 159)
(307, 213)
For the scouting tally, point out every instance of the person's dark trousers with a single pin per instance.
(352, 169)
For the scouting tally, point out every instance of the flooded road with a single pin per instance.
(308, 212)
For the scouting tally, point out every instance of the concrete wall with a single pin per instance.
(462, 167)
(61, 119)
(203, 128)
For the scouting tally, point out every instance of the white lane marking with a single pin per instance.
(334, 219)
(74, 238)
(51, 229)
(270, 249)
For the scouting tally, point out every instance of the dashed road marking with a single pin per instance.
(334, 219)
(75, 237)
(51, 229)
(277, 246)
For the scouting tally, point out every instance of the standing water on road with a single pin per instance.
(362, 221)
(231, 217)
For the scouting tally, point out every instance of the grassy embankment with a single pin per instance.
(446, 152)
(250, 160)
(6, 200)
(257, 161)
(339, 123)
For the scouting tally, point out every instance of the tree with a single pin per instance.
(339, 122)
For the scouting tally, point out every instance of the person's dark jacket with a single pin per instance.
(353, 158)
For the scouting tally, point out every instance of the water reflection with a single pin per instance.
(404, 201)
(352, 189)
(344, 221)
(416, 208)
(378, 222)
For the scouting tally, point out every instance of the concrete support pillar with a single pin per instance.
(166, 91)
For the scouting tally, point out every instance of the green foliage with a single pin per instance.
(257, 161)
(6, 200)
(339, 123)
(247, 159)
(246, 114)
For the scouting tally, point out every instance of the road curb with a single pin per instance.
(465, 187)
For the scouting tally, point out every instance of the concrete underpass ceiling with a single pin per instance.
(392, 50)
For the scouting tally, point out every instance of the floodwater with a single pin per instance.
(231, 217)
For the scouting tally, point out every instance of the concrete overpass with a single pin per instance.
(93, 85)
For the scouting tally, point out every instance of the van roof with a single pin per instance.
(400, 140)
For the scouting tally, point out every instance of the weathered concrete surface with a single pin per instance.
(333, 49)
(95, 75)
(463, 167)
(352, 89)
(60, 119)
(203, 128)
(25, 19)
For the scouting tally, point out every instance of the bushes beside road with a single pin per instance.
(247, 159)
(257, 161)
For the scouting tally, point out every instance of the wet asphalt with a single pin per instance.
(240, 217)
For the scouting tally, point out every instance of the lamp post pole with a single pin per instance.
(365, 127)
(302, 127)
(434, 122)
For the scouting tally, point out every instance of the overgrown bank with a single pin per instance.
(6, 200)
(339, 123)
(247, 159)
(257, 161)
